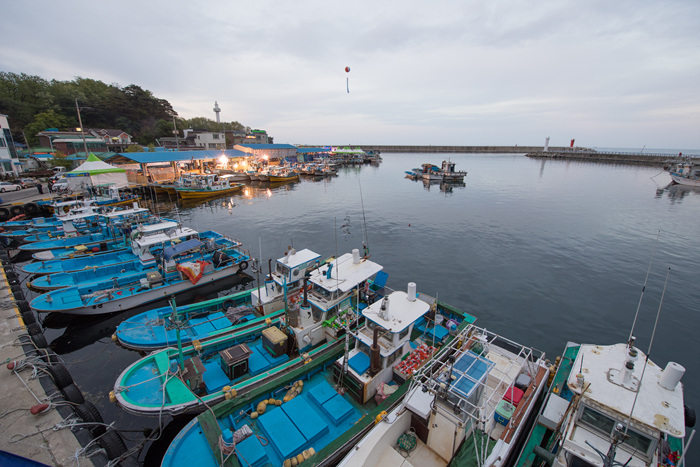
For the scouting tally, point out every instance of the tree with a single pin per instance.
(44, 120)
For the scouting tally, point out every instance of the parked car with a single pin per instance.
(28, 182)
(60, 186)
(7, 186)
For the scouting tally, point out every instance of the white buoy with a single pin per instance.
(411, 292)
(356, 256)
(671, 376)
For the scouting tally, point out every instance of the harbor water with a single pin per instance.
(543, 252)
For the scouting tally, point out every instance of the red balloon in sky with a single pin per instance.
(347, 69)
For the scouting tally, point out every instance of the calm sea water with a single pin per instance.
(542, 252)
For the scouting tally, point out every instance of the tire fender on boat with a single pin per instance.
(243, 266)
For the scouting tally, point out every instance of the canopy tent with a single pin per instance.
(95, 172)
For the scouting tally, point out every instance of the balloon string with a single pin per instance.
(347, 82)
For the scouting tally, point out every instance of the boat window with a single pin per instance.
(636, 441)
(575, 461)
(282, 270)
(403, 333)
(318, 314)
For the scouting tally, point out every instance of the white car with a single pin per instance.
(7, 186)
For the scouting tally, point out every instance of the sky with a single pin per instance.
(459, 72)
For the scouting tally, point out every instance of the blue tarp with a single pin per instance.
(171, 251)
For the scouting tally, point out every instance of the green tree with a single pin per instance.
(44, 120)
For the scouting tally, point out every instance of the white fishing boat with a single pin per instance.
(686, 172)
(468, 406)
(285, 281)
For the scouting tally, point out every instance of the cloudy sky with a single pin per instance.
(609, 73)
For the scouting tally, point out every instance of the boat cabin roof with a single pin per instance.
(160, 237)
(150, 228)
(400, 311)
(123, 212)
(656, 407)
(295, 258)
(345, 274)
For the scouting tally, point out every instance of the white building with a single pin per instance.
(9, 163)
(205, 139)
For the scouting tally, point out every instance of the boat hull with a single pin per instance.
(199, 194)
(685, 180)
(128, 298)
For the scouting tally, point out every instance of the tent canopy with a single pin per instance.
(95, 172)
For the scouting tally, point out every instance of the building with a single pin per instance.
(201, 139)
(71, 142)
(272, 152)
(116, 140)
(9, 163)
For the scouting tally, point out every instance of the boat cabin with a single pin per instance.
(289, 272)
(382, 341)
(146, 239)
(331, 284)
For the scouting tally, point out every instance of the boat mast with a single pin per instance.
(629, 339)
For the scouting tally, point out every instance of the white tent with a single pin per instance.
(95, 172)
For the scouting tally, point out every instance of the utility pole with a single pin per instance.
(82, 132)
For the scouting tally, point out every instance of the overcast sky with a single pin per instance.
(622, 73)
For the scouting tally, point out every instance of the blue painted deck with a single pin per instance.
(312, 419)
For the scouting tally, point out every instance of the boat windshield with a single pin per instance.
(604, 424)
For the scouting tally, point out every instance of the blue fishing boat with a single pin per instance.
(79, 263)
(143, 262)
(313, 412)
(113, 224)
(172, 276)
(317, 326)
(159, 328)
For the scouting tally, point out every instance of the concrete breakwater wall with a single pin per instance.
(455, 149)
(613, 158)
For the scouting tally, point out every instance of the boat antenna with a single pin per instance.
(646, 360)
(629, 339)
(365, 243)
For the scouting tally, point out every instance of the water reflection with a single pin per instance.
(677, 192)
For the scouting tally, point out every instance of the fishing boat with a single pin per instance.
(333, 287)
(144, 253)
(313, 413)
(285, 281)
(610, 405)
(685, 172)
(115, 224)
(41, 268)
(205, 186)
(159, 328)
(171, 277)
(282, 174)
(431, 172)
(304, 328)
(470, 406)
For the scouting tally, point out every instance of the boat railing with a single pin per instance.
(437, 376)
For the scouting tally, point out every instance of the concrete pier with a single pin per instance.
(44, 437)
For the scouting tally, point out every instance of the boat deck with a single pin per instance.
(311, 420)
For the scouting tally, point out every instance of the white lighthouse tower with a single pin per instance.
(217, 109)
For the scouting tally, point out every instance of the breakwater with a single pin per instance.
(454, 149)
(610, 157)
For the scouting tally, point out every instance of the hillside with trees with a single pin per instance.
(34, 104)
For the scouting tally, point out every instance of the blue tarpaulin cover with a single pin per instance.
(171, 251)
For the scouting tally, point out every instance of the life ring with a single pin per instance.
(243, 266)
(31, 208)
(66, 208)
(17, 210)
